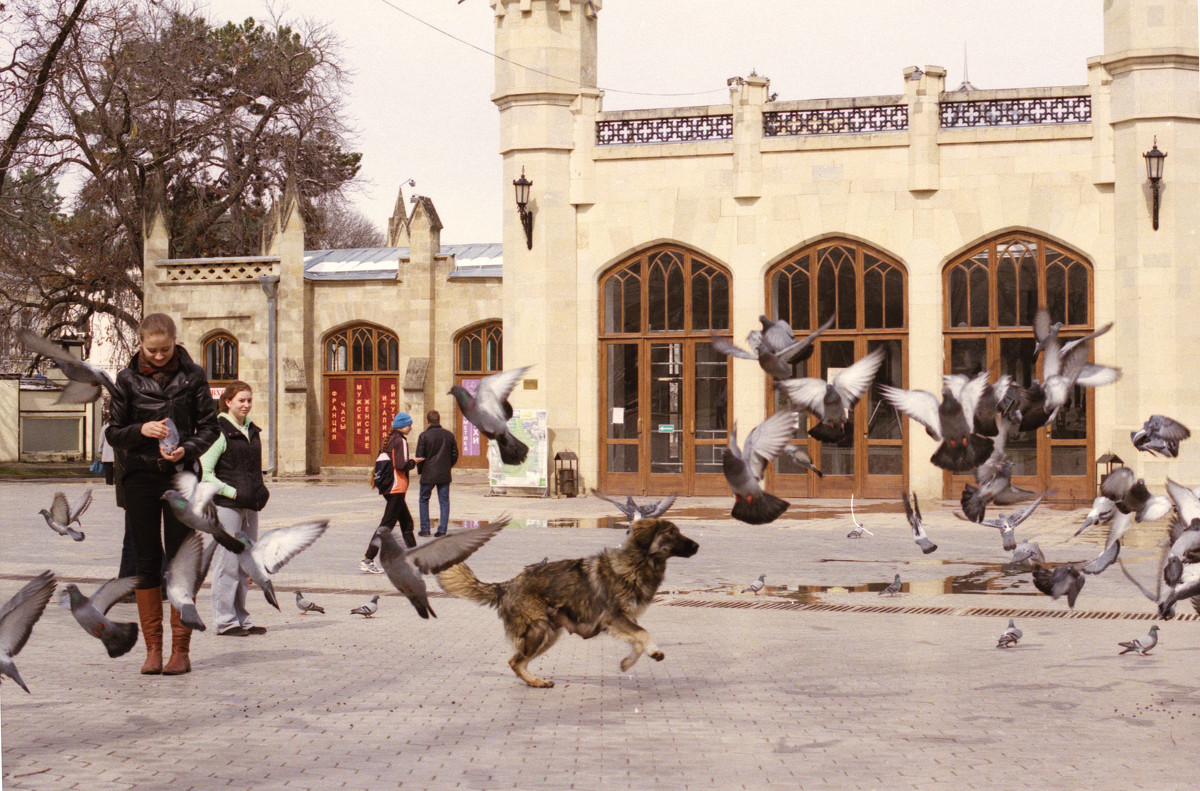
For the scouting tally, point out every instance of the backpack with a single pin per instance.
(384, 476)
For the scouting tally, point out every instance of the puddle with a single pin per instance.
(988, 579)
(603, 522)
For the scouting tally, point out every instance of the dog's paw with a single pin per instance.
(658, 656)
(541, 683)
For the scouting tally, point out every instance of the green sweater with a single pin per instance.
(208, 462)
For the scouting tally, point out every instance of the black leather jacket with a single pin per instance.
(185, 399)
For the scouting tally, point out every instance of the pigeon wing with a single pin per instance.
(1116, 484)
(442, 553)
(183, 572)
(813, 335)
(112, 592)
(767, 440)
(726, 347)
(60, 509)
(806, 393)
(852, 382)
(76, 370)
(1020, 516)
(1167, 428)
(1094, 375)
(918, 405)
(1104, 559)
(913, 518)
(662, 506)
(1012, 494)
(81, 506)
(970, 396)
(778, 335)
(1071, 344)
(79, 393)
(185, 483)
(21, 612)
(621, 506)
(493, 390)
(279, 546)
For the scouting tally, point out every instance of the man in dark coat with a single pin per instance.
(437, 447)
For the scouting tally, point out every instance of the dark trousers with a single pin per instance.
(151, 525)
(443, 490)
(396, 510)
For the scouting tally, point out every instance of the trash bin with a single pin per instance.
(566, 474)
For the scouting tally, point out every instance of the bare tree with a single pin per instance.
(332, 224)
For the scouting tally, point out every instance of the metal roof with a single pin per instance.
(382, 263)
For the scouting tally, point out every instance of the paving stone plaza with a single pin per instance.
(818, 682)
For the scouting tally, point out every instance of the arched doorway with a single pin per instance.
(664, 401)
(991, 295)
(362, 392)
(867, 292)
(478, 351)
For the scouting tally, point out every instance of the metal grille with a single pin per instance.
(837, 121)
(664, 130)
(1017, 112)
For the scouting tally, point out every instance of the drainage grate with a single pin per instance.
(989, 612)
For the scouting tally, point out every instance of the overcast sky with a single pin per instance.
(420, 99)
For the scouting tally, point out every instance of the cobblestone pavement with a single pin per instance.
(801, 687)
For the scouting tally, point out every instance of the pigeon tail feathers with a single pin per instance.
(965, 457)
(120, 639)
(191, 618)
(512, 450)
(762, 509)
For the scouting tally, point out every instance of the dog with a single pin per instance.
(585, 596)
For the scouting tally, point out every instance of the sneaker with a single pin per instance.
(440, 533)
(369, 567)
(256, 630)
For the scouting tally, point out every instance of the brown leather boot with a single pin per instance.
(181, 639)
(150, 613)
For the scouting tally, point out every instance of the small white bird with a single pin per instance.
(859, 527)
(367, 610)
(757, 585)
(1141, 645)
(60, 516)
(1010, 636)
(17, 618)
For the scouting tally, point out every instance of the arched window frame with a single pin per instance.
(220, 350)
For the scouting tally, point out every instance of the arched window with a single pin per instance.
(221, 358)
(362, 392)
(665, 407)
(992, 293)
(865, 292)
(478, 351)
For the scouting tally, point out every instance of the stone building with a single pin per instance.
(931, 223)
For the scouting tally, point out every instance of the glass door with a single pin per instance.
(667, 432)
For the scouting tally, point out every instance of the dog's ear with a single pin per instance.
(643, 533)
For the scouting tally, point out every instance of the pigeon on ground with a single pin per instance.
(60, 516)
(744, 468)
(368, 609)
(306, 606)
(185, 574)
(85, 378)
(1103, 510)
(405, 567)
(1141, 645)
(633, 511)
(775, 347)
(995, 486)
(17, 618)
(1132, 496)
(489, 411)
(913, 511)
(1027, 553)
(951, 422)
(893, 589)
(859, 527)
(1160, 435)
(1010, 636)
(833, 403)
(192, 503)
(1061, 580)
(757, 585)
(273, 549)
(118, 638)
(1007, 524)
(801, 457)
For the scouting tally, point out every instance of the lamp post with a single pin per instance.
(1154, 171)
(522, 185)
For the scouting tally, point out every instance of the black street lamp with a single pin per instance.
(1154, 171)
(522, 186)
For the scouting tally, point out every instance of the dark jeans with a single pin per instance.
(443, 490)
(151, 525)
(395, 510)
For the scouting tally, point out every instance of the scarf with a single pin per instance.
(162, 375)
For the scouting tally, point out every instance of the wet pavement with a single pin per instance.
(819, 681)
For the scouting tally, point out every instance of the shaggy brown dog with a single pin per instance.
(586, 596)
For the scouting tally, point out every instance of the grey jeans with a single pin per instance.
(229, 583)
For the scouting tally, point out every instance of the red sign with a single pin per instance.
(389, 405)
(336, 410)
(362, 417)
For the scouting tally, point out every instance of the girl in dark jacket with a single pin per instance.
(160, 382)
(234, 462)
(396, 452)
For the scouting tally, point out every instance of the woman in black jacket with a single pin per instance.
(160, 382)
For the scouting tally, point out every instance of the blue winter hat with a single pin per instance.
(402, 420)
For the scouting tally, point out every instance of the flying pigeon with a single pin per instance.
(833, 403)
(1007, 525)
(1046, 333)
(994, 404)
(633, 511)
(1027, 553)
(86, 379)
(951, 422)
(893, 589)
(1160, 435)
(1061, 580)
(1184, 532)
(1063, 367)
(404, 567)
(368, 609)
(1010, 636)
(744, 468)
(17, 618)
(757, 585)
(801, 457)
(273, 549)
(1103, 510)
(1132, 497)
(1141, 645)
(185, 574)
(913, 511)
(995, 486)
(169, 443)
(118, 638)
(489, 410)
(306, 606)
(61, 516)
(775, 347)
(859, 527)
(192, 503)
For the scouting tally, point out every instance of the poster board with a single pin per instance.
(529, 426)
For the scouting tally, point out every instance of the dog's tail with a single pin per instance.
(460, 582)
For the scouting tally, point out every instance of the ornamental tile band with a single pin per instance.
(836, 121)
(1017, 112)
(664, 130)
